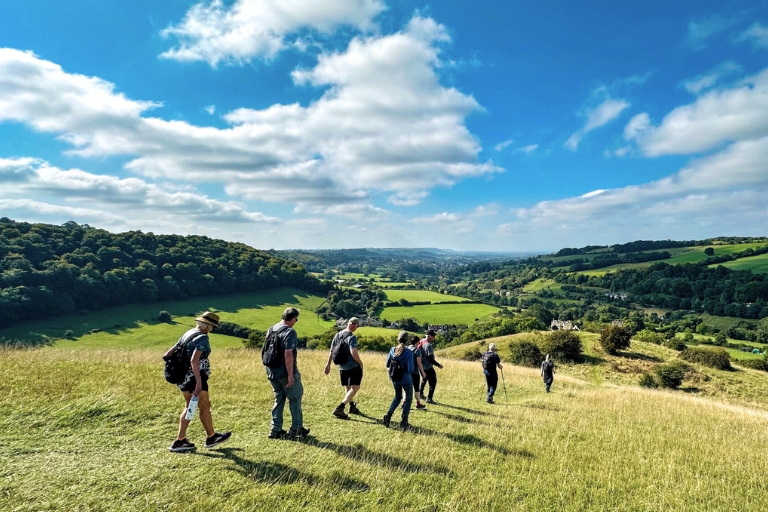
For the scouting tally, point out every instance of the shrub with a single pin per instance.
(472, 354)
(648, 381)
(376, 343)
(525, 353)
(649, 337)
(675, 344)
(716, 358)
(254, 341)
(164, 316)
(562, 346)
(670, 375)
(755, 364)
(614, 338)
(69, 334)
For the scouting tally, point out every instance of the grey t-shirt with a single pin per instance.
(427, 353)
(290, 341)
(351, 340)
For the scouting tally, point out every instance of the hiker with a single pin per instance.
(197, 348)
(418, 371)
(344, 353)
(286, 380)
(547, 372)
(491, 361)
(428, 363)
(400, 364)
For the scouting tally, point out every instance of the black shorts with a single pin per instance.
(189, 385)
(416, 378)
(351, 377)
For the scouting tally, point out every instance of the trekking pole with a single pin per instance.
(504, 384)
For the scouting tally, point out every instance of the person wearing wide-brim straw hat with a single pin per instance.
(197, 348)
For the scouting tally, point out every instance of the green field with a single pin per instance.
(88, 429)
(756, 264)
(257, 310)
(541, 284)
(440, 313)
(421, 296)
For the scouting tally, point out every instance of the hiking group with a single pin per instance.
(410, 366)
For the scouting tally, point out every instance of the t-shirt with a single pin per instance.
(546, 369)
(427, 353)
(290, 341)
(493, 359)
(201, 343)
(416, 354)
(406, 360)
(351, 340)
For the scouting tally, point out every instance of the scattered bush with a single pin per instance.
(235, 330)
(564, 346)
(525, 353)
(670, 375)
(649, 337)
(254, 341)
(376, 343)
(164, 316)
(716, 358)
(472, 354)
(648, 381)
(755, 364)
(614, 338)
(675, 344)
(69, 334)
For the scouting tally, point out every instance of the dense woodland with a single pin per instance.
(48, 270)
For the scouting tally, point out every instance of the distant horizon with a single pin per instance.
(514, 127)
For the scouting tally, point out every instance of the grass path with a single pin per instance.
(89, 430)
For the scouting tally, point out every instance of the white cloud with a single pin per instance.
(385, 124)
(248, 29)
(704, 81)
(717, 117)
(528, 149)
(211, 109)
(501, 145)
(599, 116)
(699, 32)
(757, 34)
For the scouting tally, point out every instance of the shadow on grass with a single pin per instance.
(277, 473)
(360, 453)
(454, 417)
(463, 409)
(475, 441)
(638, 356)
(591, 360)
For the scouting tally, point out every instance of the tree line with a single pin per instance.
(48, 270)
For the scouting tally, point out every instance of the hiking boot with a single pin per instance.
(216, 439)
(385, 420)
(405, 426)
(353, 408)
(421, 406)
(490, 401)
(339, 412)
(430, 401)
(298, 435)
(277, 434)
(182, 446)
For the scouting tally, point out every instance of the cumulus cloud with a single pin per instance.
(528, 149)
(214, 32)
(502, 145)
(385, 124)
(719, 116)
(69, 190)
(706, 80)
(757, 34)
(599, 116)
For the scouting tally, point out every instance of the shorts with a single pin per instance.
(189, 384)
(416, 378)
(351, 377)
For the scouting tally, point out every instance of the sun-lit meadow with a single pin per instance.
(88, 429)
(439, 313)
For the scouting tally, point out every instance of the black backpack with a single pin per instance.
(396, 370)
(340, 350)
(486, 360)
(177, 365)
(272, 353)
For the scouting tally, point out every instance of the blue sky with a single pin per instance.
(499, 126)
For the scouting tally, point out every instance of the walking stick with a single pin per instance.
(504, 384)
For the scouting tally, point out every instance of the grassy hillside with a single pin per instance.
(440, 313)
(755, 264)
(257, 310)
(89, 430)
(421, 296)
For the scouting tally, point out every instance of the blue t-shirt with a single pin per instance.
(290, 341)
(416, 354)
(201, 343)
(351, 340)
(406, 361)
